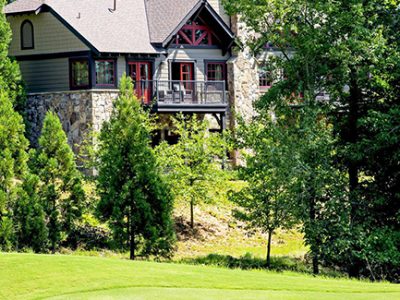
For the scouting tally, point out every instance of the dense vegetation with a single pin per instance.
(344, 177)
(331, 167)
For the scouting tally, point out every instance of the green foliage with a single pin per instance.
(61, 190)
(13, 166)
(349, 49)
(193, 164)
(29, 217)
(134, 198)
(10, 77)
(248, 262)
(266, 201)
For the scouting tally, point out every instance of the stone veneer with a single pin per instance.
(242, 75)
(79, 111)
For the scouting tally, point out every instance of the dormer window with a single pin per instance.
(27, 38)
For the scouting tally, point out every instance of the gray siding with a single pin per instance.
(50, 35)
(46, 75)
(197, 55)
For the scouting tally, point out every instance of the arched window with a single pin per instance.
(27, 35)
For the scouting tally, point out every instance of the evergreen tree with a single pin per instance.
(13, 166)
(10, 76)
(191, 165)
(61, 189)
(29, 217)
(134, 198)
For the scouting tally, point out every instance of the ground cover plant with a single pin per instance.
(30, 276)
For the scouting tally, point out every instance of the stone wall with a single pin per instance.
(79, 111)
(242, 76)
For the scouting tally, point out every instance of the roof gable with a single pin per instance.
(167, 17)
(122, 31)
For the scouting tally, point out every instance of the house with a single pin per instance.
(179, 54)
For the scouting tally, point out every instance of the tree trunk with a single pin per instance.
(269, 248)
(315, 239)
(191, 214)
(315, 263)
(132, 245)
(353, 166)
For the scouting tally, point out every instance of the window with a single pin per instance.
(194, 33)
(79, 73)
(216, 71)
(265, 77)
(27, 35)
(105, 72)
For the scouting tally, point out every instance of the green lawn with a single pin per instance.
(28, 276)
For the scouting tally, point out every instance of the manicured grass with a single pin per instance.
(29, 276)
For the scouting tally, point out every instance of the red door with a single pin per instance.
(186, 75)
(140, 73)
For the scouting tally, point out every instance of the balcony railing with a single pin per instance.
(175, 95)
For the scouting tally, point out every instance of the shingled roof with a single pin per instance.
(22, 6)
(122, 31)
(134, 27)
(165, 15)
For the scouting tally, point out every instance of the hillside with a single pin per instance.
(217, 231)
(28, 276)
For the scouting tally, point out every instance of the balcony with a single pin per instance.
(184, 96)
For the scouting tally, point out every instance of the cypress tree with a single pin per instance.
(134, 198)
(61, 192)
(13, 160)
(29, 217)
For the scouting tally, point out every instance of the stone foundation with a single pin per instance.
(79, 112)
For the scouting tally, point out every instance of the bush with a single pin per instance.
(248, 262)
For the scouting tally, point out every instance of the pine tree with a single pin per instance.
(61, 192)
(134, 198)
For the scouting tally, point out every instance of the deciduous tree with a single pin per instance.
(193, 164)
(350, 50)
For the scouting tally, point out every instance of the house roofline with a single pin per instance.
(46, 8)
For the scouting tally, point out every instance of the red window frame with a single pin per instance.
(190, 67)
(72, 84)
(114, 73)
(214, 72)
(146, 92)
